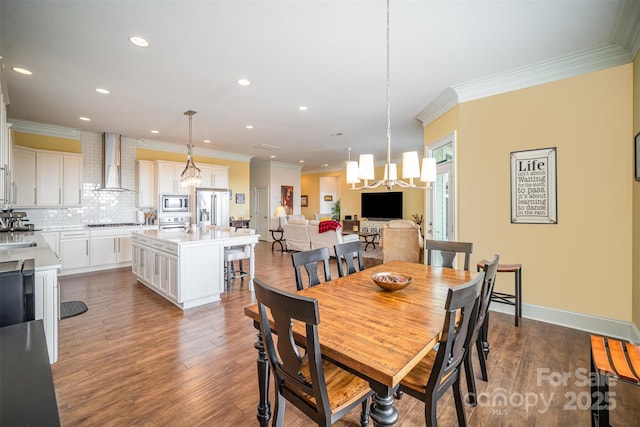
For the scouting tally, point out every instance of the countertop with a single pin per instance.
(44, 258)
(199, 235)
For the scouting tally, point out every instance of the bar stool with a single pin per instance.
(510, 299)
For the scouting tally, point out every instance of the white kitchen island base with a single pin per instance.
(186, 268)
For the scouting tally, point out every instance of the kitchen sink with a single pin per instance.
(16, 245)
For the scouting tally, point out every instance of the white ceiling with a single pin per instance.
(327, 55)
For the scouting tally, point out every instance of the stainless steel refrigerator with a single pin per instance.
(212, 206)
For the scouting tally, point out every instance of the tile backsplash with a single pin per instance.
(97, 206)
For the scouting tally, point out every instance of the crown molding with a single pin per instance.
(197, 151)
(44, 129)
(582, 62)
(627, 32)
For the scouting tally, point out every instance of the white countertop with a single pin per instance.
(199, 235)
(44, 258)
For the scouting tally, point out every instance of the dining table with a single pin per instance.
(375, 334)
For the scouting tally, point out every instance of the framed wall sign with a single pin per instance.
(304, 201)
(533, 187)
(636, 144)
(239, 198)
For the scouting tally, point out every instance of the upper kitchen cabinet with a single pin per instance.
(6, 146)
(145, 175)
(168, 177)
(47, 178)
(214, 176)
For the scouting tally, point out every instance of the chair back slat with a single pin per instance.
(309, 260)
(490, 270)
(460, 318)
(346, 253)
(448, 251)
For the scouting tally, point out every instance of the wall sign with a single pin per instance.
(533, 187)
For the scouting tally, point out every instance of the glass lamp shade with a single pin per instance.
(410, 165)
(428, 173)
(352, 172)
(365, 167)
(393, 176)
(279, 212)
(190, 178)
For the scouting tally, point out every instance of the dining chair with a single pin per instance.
(440, 369)
(448, 251)
(480, 330)
(320, 389)
(236, 253)
(310, 260)
(347, 253)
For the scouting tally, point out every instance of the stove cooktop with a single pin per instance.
(114, 224)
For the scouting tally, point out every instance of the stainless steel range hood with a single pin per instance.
(112, 166)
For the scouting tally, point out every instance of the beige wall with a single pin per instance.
(583, 264)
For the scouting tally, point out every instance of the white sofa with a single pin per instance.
(303, 235)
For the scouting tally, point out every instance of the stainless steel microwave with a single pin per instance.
(174, 203)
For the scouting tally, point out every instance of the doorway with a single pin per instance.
(260, 207)
(440, 200)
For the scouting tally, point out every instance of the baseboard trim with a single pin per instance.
(580, 321)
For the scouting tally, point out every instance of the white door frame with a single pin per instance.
(429, 200)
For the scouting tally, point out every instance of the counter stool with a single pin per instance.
(610, 358)
(510, 299)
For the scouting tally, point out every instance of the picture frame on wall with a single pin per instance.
(304, 201)
(240, 198)
(637, 156)
(328, 198)
(534, 186)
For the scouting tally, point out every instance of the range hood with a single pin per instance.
(112, 166)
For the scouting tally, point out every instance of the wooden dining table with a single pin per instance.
(375, 334)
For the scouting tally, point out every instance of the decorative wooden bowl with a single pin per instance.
(390, 281)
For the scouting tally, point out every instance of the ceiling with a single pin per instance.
(327, 55)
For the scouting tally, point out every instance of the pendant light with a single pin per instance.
(364, 169)
(190, 176)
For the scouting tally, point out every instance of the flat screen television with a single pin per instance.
(384, 206)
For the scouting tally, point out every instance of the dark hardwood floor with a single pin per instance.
(134, 359)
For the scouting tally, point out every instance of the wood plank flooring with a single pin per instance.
(134, 359)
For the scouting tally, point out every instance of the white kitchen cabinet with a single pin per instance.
(214, 176)
(46, 293)
(145, 174)
(46, 178)
(72, 180)
(6, 147)
(110, 247)
(169, 280)
(168, 178)
(74, 249)
(24, 176)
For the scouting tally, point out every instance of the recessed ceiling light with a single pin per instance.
(207, 141)
(85, 119)
(303, 108)
(244, 82)
(139, 41)
(101, 90)
(301, 161)
(272, 156)
(22, 71)
(249, 126)
(155, 131)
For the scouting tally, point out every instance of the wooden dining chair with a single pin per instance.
(320, 389)
(347, 253)
(480, 330)
(448, 251)
(440, 369)
(309, 260)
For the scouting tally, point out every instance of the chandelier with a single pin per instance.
(190, 176)
(364, 169)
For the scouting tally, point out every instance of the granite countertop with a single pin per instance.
(44, 258)
(85, 227)
(199, 235)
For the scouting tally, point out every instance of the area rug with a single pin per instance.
(72, 308)
(372, 253)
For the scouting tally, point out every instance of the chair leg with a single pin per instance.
(431, 411)
(471, 379)
(484, 334)
(229, 274)
(482, 358)
(457, 396)
(599, 398)
(364, 415)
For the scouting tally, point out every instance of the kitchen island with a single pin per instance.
(187, 268)
(13, 247)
